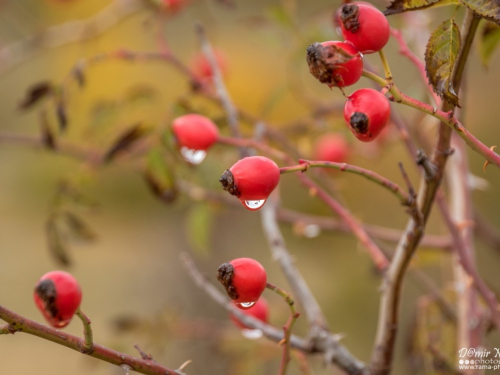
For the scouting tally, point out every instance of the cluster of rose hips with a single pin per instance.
(340, 64)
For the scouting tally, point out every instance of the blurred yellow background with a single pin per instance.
(131, 274)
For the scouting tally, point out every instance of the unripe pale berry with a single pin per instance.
(366, 112)
(365, 27)
(335, 63)
(251, 179)
(195, 131)
(244, 279)
(57, 295)
(260, 311)
(331, 147)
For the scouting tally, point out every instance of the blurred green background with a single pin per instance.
(135, 291)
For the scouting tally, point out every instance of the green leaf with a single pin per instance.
(160, 177)
(78, 227)
(36, 93)
(400, 6)
(440, 56)
(199, 228)
(488, 41)
(489, 9)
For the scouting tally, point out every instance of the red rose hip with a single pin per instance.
(366, 112)
(364, 26)
(331, 147)
(260, 311)
(334, 63)
(251, 180)
(244, 279)
(194, 134)
(57, 295)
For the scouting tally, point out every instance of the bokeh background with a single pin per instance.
(135, 290)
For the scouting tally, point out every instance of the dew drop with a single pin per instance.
(311, 231)
(252, 334)
(193, 156)
(253, 205)
(245, 305)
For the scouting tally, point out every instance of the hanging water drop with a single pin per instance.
(252, 334)
(311, 231)
(193, 156)
(245, 305)
(253, 205)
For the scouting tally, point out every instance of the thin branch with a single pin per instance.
(21, 324)
(344, 167)
(329, 346)
(88, 341)
(70, 32)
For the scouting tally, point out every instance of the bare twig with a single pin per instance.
(88, 340)
(21, 324)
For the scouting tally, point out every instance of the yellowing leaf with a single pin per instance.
(489, 9)
(440, 56)
(488, 42)
(399, 6)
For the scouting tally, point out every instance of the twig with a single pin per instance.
(70, 32)
(88, 340)
(329, 346)
(287, 329)
(21, 324)
(344, 167)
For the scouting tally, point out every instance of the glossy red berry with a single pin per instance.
(334, 63)
(57, 295)
(244, 279)
(260, 311)
(251, 180)
(202, 68)
(366, 112)
(331, 147)
(194, 133)
(365, 27)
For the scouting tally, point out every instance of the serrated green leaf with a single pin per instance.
(160, 177)
(400, 6)
(488, 42)
(440, 56)
(489, 9)
(199, 228)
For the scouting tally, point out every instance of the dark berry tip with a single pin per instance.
(359, 122)
(225, 274)
(228, 183)
(349, 14)
(47, 292)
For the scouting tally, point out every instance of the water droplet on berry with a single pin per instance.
(312, 230)
(245, 305)
(193, 156)
(252, 334)
(253, 205)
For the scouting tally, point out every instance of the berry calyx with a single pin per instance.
(251, 179)
(364, 26)
(334, 63)
(331, 147)
(244, 279)
(366, 112)
(195, 131)
(259, 311)
(57, 295)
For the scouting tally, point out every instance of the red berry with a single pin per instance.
(195, 132)
(57, 295)
(366, 112)
(364, 26)
(203, 70)
(331, 147)
(252, 180)
(174, 6)
(334, 63)
(260, 311)
(244, 279)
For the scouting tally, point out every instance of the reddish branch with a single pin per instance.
(17, 323)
